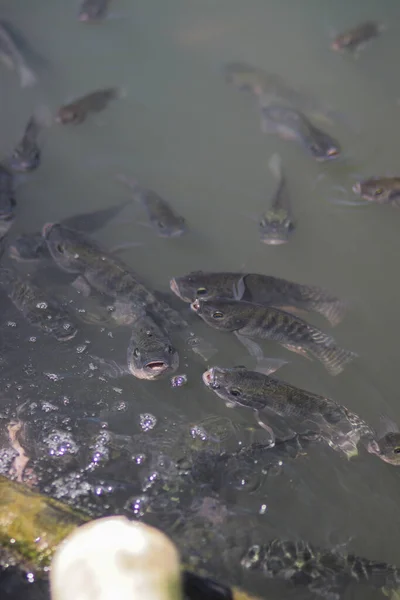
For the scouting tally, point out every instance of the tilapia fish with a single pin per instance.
(76, 253)
(276, 224)
(382, 190)
(26, 156)
(298, 411)
(7, 201)
(260, 289)
(12, 57)
(355, 38)
(269, 323)
(31, 247)
(37, 307)
(271, 86)
(290, 124)
(326, 573)
(150, 353)
(76, 112)
(93, 10)
(161, 216)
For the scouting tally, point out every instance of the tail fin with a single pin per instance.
(332, 357)
(333, 310)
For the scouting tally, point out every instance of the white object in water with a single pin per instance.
(116, 559)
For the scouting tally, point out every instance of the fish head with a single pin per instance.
(67, 247)
(342, 41)
(375, 189)
(29, 247)
(235, 385)
(387, 448)
(151, 354)
(62, 329)
(67, 114)
(204, 286)
(322, 146)
(26, 160)
(275, 228)
(91, 10)
(253, 558)
(173, 227)
(220, 314)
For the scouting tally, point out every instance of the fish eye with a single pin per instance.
(201, 291)
(262, 223)
(217, 314)
(378, 191)
(397, 450)
(235, 392)
(161, 224)
(136, 352)
(60, 248)
(170, 349)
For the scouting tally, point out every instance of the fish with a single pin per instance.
(162, 217)
(387, 442)
(298, 410)
(31, 247)
(36, 306)
(76, 111)
(12, 57)
(7, 201)
(354, 39)
(75, 252)
(260, 289)
(270, 323)
(150, 352)
(276, 224)
(290, 124)
(271, 86)
(382, 190)
(93, 10)
(326, 573)
(27, 154)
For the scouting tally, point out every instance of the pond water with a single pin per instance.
(181, 130)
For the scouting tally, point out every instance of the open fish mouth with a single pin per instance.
(156, 367)
(274, 241)
(47, 227)
(208, 377)
(195, 305)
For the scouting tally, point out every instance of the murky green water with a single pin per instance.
(181, 130)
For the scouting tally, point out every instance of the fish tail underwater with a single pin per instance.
(161, 368)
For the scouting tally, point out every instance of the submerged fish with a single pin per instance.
(354, 39)
(31, 247)
(36, 306)
(26, 156)
(290, 124)
(150, 353)
(383, 190)
(93, 10)
(298, 410)
(96, 268)
(326, 573)
(269, 323)
(77, 110)
(260, 289)
(268, 86)
(12, 58)
(7, 201)
(276, 224)
(162, 217)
